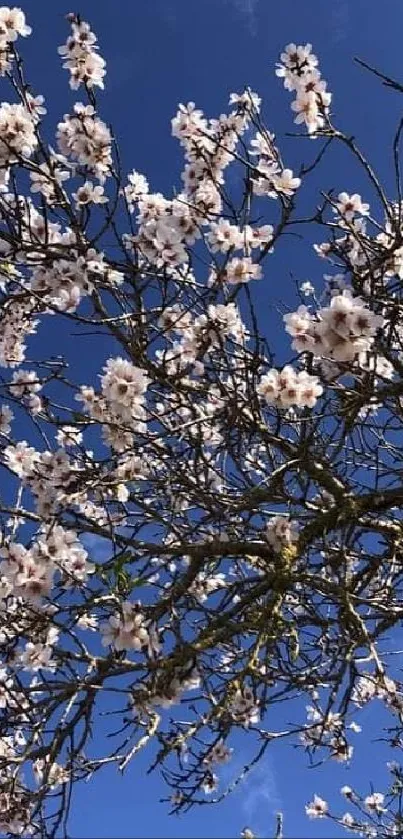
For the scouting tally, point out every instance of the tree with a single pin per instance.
(201, 532)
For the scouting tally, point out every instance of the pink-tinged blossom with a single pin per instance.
(126, 630)
(242, 270)
(317, 808)
(219, 753)
(299, 71)
(374, 802)
(341, 331)
(17, 133)
(21, 458)
(86, 139)
(137, 187)
(244, 708)
(90, 194)
(287, 387)
(350, 205)
(80, 56)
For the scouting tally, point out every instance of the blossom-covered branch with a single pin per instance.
(206, 525)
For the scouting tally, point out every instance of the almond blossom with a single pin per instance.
(201, 474)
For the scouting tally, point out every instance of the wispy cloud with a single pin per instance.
(261, 800)
(257, 796)
(339, 21)
(247, 9)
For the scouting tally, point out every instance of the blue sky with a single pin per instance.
(160, 52)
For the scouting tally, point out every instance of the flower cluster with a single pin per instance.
(86, 139)
(206, 332)
(53, 775)
(224, 236)
(327, 730)
(165, 229)
(120, 403)
(209, 146)
(317, 808)
(16, 323)
(89, 194)
(269, 177)
(288, 387)
(244, 708)
(136, 187)
(25, 385)
(17, 133)
(219, 753)
(80, 56)
(299, 69)
(186, 469)
(12, 24)
(348, 206)
(65, 282)
(124, 386)
(128, 630)
(241, 270)
(15, 807)
(30, 573)
(48, 179)
(205, 584)
(340, 331)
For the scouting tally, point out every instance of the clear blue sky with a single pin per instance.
(160, 52)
